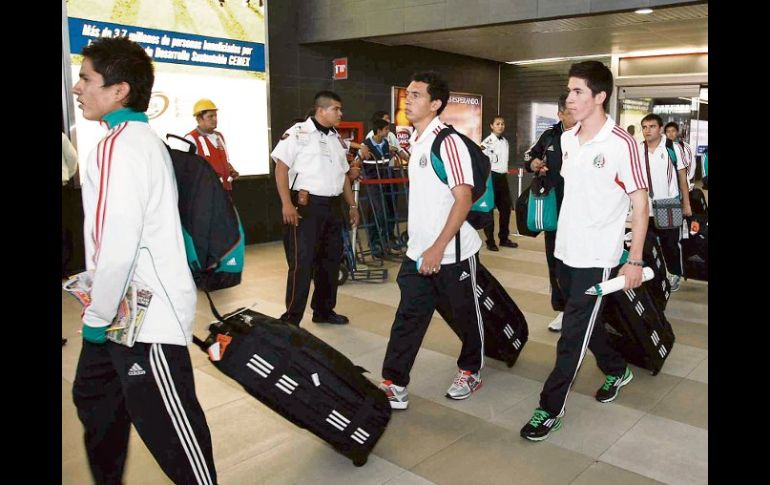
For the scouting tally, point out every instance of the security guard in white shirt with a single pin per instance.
(311, 171)
(496, 147)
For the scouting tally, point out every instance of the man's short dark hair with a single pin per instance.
(669, 125)
(378, 115)
(119, 60)
(379, 125)
(597, 76)
(562, 103)
(323, 99)
(437, 87)
(497, 117)
(652, 117)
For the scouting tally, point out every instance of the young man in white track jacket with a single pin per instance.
(133, 235)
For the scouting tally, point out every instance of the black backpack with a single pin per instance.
(213, 235)
(483, 195)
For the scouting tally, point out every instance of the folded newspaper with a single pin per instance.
(615, 284)
(131, 310)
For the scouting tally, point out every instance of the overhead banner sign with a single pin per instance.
(173, 47)
(195, 56)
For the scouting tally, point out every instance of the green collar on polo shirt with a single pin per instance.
(118, 116)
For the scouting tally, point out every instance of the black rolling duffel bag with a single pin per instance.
(698, 202)
(659, 286)
(637, 327)
(505, 328)
(302, 378)
(695, 249)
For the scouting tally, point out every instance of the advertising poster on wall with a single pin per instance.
(699, 136)
(544, 116)
(463, 111)
(200, 49)
(631, 113)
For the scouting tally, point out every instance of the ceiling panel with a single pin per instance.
(617, 33)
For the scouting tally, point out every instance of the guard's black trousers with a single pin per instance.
(151, 386)
(313, 252)
(454, 284)
(581, 329)
(670, 245)
(503, 205)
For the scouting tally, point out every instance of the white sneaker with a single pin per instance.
(555, 325)
(675, 281)
(397, 395)
(464, 384)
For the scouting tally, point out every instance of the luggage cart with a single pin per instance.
(386, 192)
(398, 192)
(353, 252)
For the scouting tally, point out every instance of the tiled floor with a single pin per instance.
(656, 431)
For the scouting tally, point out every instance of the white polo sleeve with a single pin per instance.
(632, 175)
(681, 161)
(286, 149)
(457, 161)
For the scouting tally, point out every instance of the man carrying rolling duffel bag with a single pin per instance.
(602, 174)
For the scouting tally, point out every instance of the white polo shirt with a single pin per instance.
(497, 151)
(665, 183)
(598, 176)
(430, 199)
(317, 160)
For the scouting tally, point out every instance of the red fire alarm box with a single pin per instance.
(340, 68)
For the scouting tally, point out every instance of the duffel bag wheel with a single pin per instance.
(343, 274)
(360, 461)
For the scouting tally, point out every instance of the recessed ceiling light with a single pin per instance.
(644, 11)
(556, 59)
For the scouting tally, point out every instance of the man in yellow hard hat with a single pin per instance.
(210, 144)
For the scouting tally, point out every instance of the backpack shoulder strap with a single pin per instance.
(435, 153)
(671, 152)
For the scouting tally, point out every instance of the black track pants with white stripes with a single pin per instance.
(581, 330)
(151, 386)
(419, 297)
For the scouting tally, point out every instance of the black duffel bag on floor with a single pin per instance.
(302, 378)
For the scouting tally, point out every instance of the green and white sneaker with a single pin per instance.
(540, 426)
(612, 384)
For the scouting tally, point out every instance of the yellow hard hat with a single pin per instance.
(203, 105)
